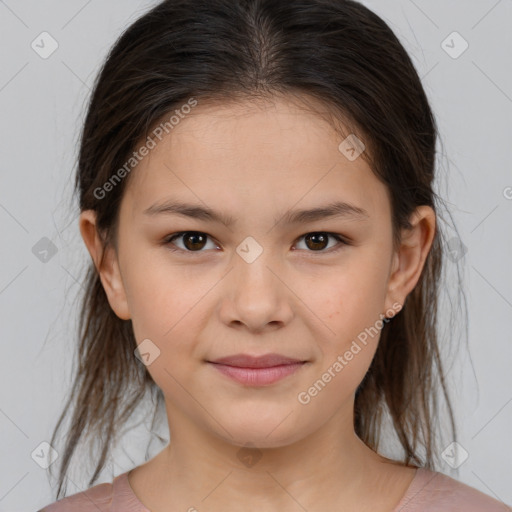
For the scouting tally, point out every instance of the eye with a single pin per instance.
(193, 241)
(317, 241)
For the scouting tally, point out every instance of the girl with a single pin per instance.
(255, 182)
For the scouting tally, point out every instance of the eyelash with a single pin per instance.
(342, 241)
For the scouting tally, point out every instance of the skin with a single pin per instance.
(255, 161)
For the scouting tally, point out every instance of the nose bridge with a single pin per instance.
(258, 296)
(252, 265)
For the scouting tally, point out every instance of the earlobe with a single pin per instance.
(409, 260)
(106, 264)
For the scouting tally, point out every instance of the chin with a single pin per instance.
(259, 434)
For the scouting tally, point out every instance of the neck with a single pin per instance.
(200, 470)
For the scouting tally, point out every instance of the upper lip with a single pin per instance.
(264, 361)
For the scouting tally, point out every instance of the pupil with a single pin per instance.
(318, 239)
(197, 239)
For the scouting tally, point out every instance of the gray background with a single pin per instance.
(42, 105)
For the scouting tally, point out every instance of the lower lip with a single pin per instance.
(258, 376)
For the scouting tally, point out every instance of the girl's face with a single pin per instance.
(274, 280)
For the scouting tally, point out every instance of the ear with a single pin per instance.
(108, 270)
(409, 258)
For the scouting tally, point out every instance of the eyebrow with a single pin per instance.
(335, 209)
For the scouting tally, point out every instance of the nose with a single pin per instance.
(256, 296)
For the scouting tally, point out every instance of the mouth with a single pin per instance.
(257, 371)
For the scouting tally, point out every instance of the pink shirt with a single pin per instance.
(429, 491)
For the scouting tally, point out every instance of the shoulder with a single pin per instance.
(117, 496)
(433, 491)
(95, 499)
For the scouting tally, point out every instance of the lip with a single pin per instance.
(264, 361)
(257, 371)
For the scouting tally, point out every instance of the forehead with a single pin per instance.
(266, 153)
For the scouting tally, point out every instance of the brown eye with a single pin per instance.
(193, 241)
(318, 241)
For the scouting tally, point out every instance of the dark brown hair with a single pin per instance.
(336, 52)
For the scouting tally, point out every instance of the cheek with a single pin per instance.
(353, 297)
(159, 294)
(350, 304)
(166, 308)
(351, 311)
